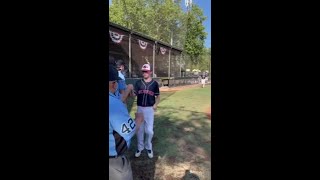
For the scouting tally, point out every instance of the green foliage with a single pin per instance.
(161, 20)
(205, 60)
(195, 36)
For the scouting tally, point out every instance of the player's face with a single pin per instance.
(121, 68)
(113, 86)
(146, 74)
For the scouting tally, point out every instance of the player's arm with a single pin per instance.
(157, 95)
(122, 86)
(155, 106)
(135, 89)
(126, 93)
(157, 100)
(124, 125)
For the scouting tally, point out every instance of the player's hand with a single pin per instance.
(155, 107)
(130, 86)
(132, 94)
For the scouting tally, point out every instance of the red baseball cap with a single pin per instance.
(146, 67)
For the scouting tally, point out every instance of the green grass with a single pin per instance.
(195, 99)
(182, 130)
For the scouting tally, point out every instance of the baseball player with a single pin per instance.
(148, 98)
(123, 91)
(207, 76)
(203, 79)
(121, 129)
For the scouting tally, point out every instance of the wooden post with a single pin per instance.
(169, 62)
(153, 58)
(180, 63)
(130, 67)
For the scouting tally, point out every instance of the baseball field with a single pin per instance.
(182, 137)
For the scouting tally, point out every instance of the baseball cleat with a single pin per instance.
(150, 154)
(137, 154)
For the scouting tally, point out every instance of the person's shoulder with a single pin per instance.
(139, 81)
(115, 102)
(112, 99)
(117, 107)
(154, 81)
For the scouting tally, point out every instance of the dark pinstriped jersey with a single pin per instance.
(146, 92)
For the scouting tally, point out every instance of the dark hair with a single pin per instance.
(119, 62)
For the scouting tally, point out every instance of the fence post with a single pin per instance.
(180, 64)
(169, 62)
(153, 57)
(130, 68)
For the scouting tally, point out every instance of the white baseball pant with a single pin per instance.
(146, 127)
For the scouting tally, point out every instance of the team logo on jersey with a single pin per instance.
(163, 50)
(115, 37)
(143, 45)
(146, 92)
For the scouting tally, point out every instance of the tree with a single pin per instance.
(155, 18)
(161, 19)
(129, 13)
(195, 36)
(205, 60)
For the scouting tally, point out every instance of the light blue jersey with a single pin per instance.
(121, 85)
(121, 126)
(121, 75)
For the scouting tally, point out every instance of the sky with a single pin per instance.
(206, 6)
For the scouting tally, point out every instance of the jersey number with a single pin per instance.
(126, 129)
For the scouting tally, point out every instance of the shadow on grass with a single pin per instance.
(178, 139)
(193, 130)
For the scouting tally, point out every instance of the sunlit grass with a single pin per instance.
(182, 130)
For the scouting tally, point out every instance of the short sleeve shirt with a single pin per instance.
(146, 92)
(121, 126)
(121, 85)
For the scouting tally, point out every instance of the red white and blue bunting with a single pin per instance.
(115, 37)
(143, 45)
(163, 50)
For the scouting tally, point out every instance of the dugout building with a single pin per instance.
(136, 49)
